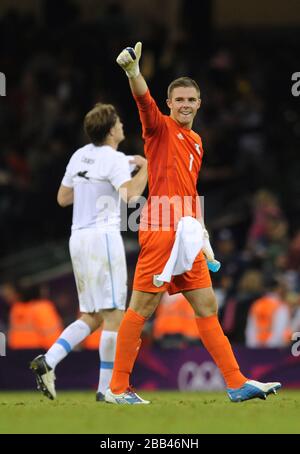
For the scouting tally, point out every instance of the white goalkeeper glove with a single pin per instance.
(129, 58)
(213, 264)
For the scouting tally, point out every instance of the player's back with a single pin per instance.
(96, 173)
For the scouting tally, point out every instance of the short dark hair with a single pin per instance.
(183, 82)
(99, 121)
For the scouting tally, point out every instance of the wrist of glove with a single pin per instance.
(132, 73)
(129, 58)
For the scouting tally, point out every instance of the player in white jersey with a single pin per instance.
(96, 177)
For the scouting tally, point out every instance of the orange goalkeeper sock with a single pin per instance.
(217, 344)
(128, 345)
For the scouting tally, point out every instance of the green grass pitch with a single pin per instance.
(170, 413)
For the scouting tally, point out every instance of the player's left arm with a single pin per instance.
(65, 196)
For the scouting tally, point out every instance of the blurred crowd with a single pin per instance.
(58, 66)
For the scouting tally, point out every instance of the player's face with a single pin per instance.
(184, 103)
(118, 131)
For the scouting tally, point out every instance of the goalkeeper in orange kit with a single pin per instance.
(174, 153)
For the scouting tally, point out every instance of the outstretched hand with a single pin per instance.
(129, 58)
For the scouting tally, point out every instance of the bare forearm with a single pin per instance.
(65, 196)
(66, 201)
(135, 187)
(69, 200)
(139, 182)
(138, 85)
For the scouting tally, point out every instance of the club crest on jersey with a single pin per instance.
(197, 146)
(180, 136)
(156, 281)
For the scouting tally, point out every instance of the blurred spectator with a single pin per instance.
(293, 300)
(33, 321)
(10, 294)
(174, 323)
(235, 313)
(227, 253)
(275, 244)
(293, 253)
(269, 323)
(265, 207)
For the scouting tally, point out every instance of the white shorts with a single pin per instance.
(99, 266)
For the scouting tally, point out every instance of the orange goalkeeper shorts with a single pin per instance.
(155, 251)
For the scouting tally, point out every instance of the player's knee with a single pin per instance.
(207, 307)
(91, 319)
(112, 319)
(115, 323)
(143, 308)
(144, 304)
(211, 305)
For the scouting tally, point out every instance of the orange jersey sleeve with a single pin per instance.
(151, 117)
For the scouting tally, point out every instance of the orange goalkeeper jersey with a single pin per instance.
(174, 157)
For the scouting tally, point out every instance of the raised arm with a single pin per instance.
(150, 115)
(128, 59)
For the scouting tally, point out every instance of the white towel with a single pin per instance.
(188, 243)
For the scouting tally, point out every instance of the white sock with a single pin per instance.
(107, 351)
(71, 336)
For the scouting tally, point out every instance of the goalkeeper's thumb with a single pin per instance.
(138, 50)
(129, 58)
